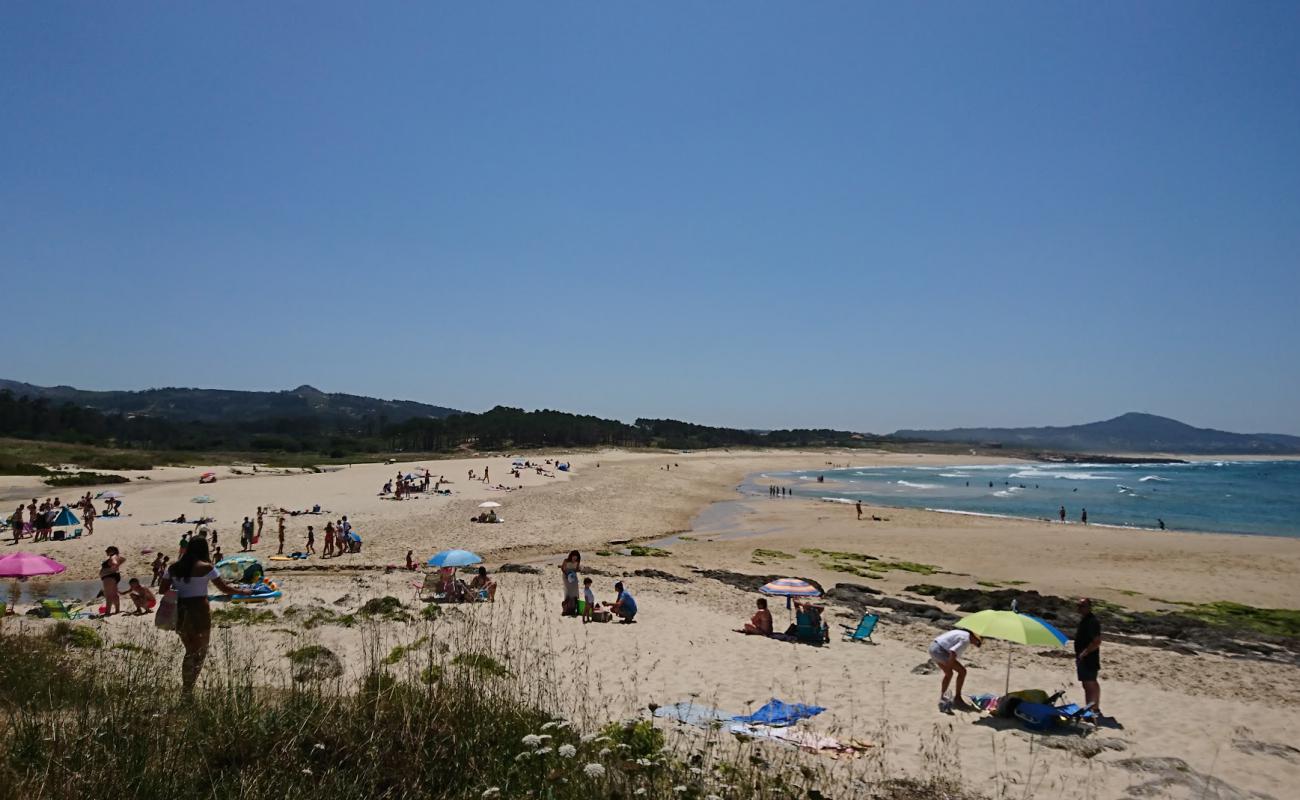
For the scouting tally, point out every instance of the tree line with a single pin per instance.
(500, 428)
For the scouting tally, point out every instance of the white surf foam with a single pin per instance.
(911, 485)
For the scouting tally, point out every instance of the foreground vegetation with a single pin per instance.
(462, 710)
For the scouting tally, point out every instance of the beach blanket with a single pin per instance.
(778, 713)
(697, 714)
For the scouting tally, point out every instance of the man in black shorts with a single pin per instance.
(1087, 654)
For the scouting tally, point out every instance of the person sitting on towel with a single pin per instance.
(761, 623)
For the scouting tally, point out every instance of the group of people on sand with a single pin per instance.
(37, 518)
(405, 485)
(583, 604)
(946, 651)
(340, 539)
(761, 624)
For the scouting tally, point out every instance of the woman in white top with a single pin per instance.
(944, 651)
(190, 576)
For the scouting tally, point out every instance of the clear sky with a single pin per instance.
(860, 215)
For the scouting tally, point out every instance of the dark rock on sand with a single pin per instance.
(660, 575)
(862, 599)
(746, 582)
(522, 569)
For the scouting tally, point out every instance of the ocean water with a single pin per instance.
(1254, 497)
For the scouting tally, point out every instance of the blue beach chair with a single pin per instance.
(863, 632)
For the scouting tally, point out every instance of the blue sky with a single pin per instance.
(858, 215)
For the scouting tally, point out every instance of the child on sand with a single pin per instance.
(140, 595)
(588, 600)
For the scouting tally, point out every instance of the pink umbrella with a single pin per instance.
(25, 565)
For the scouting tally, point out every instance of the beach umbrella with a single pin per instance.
(65, 518)
(489, 504)
(111, 494)
(790, 587)
(26, 565)
(1012, 626)
(454, 558)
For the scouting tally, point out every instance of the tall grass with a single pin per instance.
(475, 704)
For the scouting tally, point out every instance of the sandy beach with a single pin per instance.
(1229, 719)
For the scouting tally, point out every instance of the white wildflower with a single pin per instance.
(532, 740)
(556, 724)
(541, 751)
(679, 789)
(601, 738)
(625, 747)
(713, 797)
(604, 751)
(640, 791)
(644, 762)
(318, 746)
(696, 771)
(547, 726)
(567, 750)
(594, 770)
(306, 770)
(492, 791)
(522, 756)
(587, 738)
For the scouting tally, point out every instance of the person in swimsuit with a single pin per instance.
(569, 569)
(190, 576)
(110, 576)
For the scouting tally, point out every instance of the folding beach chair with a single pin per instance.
(863, 632)
(429, 589)
(808, 629)
(57, 609)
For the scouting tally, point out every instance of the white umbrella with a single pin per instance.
(489, 504)
(110, 494)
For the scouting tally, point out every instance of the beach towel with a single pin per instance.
(778, 712)
(697, 714)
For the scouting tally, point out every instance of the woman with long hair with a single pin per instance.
(570, 569)
(190, 576)
(110, 575)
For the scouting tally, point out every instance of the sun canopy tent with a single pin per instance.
(65, 518)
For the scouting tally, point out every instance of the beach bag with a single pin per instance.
(165, 617)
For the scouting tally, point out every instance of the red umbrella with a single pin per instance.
(26, 565)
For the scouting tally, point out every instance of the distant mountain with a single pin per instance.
(1128, 433)
(229, 406)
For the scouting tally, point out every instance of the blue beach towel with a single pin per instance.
(779, 712)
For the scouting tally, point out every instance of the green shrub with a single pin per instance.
(484, 664)
(81, 636)
(85, 479)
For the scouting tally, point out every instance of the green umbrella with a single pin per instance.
(1012, 626)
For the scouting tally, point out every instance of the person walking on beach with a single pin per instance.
(859, 505)
(246, 532)
(1062, 512)
(311, 540)
(280, 550)
(190, 576)
(1084, 517)
(1087, 654)
(945, 651)
(329, 540)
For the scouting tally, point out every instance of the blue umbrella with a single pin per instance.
(65, 518)
(454, 558)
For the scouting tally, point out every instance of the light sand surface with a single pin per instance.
(1233, 719)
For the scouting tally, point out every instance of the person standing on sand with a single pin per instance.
(280, 550)
(246, 532)
(485, 474)
(1062, 513)
(16, 522)
(259, 525)
(311, 540)
(89, 517)
(110, 576)
(1087, 654)
(329, 540)
(1084, 517)
(569, 569)
(859, 505)
(190, 576)
(944, 651)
